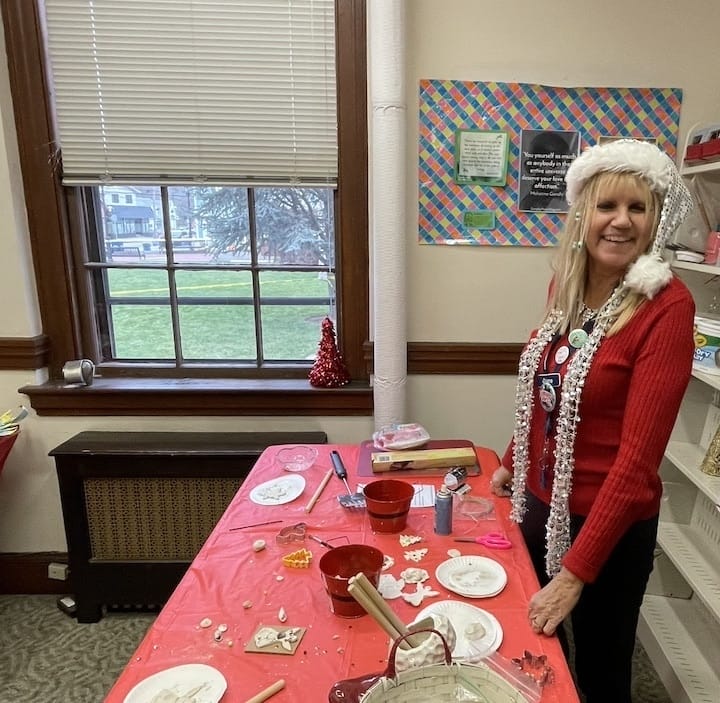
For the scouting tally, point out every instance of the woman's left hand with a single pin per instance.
(553, 603)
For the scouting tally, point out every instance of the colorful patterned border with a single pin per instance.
(446, 106)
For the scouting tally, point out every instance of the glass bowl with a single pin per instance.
(297, 458)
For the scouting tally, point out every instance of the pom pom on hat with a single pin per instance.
(648, 275)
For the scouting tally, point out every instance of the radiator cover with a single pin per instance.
(137, 507)
(153, 519)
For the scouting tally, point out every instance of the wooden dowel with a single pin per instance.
(318, 491)
(372, 592)
(267, 692)
(374, 612)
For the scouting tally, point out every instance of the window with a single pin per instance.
(253, 267)
(230, 275)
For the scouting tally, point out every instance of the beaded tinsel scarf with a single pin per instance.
(647, 278)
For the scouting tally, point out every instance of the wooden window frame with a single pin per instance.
(51, 210)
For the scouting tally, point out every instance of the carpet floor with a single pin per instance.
(46, 656)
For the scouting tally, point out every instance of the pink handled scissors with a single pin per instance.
(491, 540)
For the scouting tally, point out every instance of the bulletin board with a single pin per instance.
(480, 214)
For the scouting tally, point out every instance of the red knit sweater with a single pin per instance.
(630, 400)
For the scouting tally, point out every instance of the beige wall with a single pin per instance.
(455, 294)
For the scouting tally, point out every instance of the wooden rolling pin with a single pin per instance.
(267, 692)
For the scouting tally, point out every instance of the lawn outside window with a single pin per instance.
(172, 283)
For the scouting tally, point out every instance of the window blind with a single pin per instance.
(231, 92)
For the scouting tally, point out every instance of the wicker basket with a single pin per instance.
(448, 682)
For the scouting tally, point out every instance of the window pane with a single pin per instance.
(130, 219)
(294, 303)
(295, 225)
(142, 332)
(292, 333)
(218, 332)
(231, 285)
(216, 219)
(137, 283)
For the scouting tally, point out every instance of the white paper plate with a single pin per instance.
(278, 491)
(472, 576)
(463, 617)
(181, 680)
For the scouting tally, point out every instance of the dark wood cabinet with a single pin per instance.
(137, 506)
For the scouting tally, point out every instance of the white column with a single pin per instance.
(388, 217)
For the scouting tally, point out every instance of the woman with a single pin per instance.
(598, 391)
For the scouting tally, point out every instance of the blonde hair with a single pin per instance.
(570, 263)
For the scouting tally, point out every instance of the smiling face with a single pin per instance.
(621, 225)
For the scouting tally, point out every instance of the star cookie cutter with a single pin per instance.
(536, 667)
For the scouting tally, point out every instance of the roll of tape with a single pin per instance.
(80, 371)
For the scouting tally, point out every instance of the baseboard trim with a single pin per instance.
(28, 573)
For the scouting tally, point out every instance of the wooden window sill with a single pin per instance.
(187, 396)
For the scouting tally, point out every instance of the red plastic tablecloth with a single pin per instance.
(227, 572)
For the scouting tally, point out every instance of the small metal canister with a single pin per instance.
(455, 477)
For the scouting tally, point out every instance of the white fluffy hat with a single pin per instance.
(649, 274)
(621, 156)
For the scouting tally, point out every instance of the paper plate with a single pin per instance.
(472, 576)
(465, 618)
(278, 491)
(202, 683)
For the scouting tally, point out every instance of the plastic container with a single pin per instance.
(712, 248)
(707, 345)
(297, 458)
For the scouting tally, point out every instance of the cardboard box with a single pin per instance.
(422, 459)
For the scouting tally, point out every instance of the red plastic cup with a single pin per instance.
(340, 564)
(387, 502)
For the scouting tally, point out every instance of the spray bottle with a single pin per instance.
(443, 511)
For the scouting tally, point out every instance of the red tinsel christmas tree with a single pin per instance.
(329, 370)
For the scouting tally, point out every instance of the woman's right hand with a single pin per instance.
(501, 482)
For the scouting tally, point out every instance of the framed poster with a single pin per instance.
(545, 155)
(481, 157)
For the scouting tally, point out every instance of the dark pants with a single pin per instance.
(604, 621)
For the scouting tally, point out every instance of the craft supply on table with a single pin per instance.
(351, 500)
(398, 437)
(292, 533)
(177, 684)
(491, 540)
(254, 524)
(422, 459)
(443, 511)
(455, 478)
(367, 595)
(278, 491)
(296, 458)
(478, 633)
(472, 576)
(388, 502)
(267, 692)
(339, 566)
(318, 491)
(445, 681)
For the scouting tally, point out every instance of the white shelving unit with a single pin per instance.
(680, 618)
